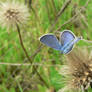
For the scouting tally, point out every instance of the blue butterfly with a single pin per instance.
(66, 43)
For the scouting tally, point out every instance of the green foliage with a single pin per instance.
(55, 78)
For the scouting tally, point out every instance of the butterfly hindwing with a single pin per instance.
(69, 47)
(51, 41)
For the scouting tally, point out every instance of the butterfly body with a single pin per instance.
(66, 43)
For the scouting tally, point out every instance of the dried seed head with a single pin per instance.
(78, 71)
(12, 13)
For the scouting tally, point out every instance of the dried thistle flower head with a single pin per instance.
(12, 13)
(77, 71)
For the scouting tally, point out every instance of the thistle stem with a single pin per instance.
(24, 49)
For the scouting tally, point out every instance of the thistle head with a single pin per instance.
(12, 13)
(77, 71)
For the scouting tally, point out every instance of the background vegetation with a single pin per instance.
(46, 16)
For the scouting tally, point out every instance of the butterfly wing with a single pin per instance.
(51, 41)
(67, 50)
(66, 37)
(69, 47)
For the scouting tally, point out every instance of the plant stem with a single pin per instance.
(24, 49)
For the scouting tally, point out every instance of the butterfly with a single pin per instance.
(66, 43)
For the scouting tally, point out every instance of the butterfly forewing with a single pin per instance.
(66, 36)
(51, 41)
